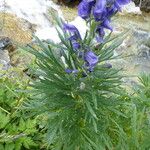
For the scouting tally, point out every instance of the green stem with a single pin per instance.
(4, 110)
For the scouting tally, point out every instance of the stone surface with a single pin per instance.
(143, 4)
(135, 53)
(4, 60)
(131, 8)
(15, 28)
(34, 12)
(6, 49)
(4, 43)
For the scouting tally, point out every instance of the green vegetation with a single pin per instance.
(67, 102)
(17, 130)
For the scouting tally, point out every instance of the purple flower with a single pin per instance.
(117, 6)
(76, 45)
(102, 11)
(111, 10)
(72, 29)
(99, 10)
(69, 71)
(101, 33)
(75, 35)
(85, 7)
(106, 24)
(91, 60)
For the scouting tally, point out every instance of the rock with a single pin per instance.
(4, 60)
(131, 9)
(15, 28)
(4, 65)
(35, 14)
(141, 36)
(144, 51)
(143, 4)
(7, 44)
(4, 43)
(4, 56)
(6, 50)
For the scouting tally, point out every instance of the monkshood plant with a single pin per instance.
(77, 91)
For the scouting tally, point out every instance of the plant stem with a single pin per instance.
(4, 110)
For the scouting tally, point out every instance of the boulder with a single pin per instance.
(6, 48)
(143, 4)
(132, 9)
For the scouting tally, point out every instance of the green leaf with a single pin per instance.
(90, 109)
(9, 146)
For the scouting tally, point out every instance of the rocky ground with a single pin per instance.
(135, 48)
(143, 4)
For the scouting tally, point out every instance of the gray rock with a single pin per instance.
(4, 53)
(4, 65)
(4, 60)
(143, 4)
(4, 43)
(141, 36)
(144, 51)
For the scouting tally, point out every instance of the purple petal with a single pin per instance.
(68, 71)
(117, 6)
(106, 24)
(100, 9)
(73, 38)
(76, 45)
(123, 2)
(100, 39)
(70, 27)
(84, 8)
(91, 59)
(101, 33)
(111, 11)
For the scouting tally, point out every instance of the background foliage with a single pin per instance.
(17, 131)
